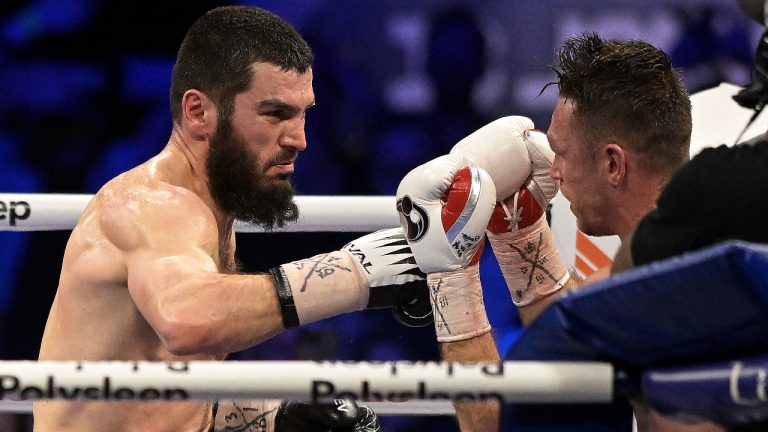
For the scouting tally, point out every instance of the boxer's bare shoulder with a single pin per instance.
(153, 213)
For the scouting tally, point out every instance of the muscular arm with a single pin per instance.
(474, 416)
(169, 240)
(195, 309)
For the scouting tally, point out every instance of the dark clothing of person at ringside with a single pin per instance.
(721, 194)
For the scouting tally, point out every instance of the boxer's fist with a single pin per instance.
(444, 207)
(337, 416)
(374, 271)
(500, 149)
(520, 237)
(394, 278)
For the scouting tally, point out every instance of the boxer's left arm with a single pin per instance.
(444, 206)
(475, 416)
(429, 199)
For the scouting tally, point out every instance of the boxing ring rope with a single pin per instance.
(386, 384)
(410, 408)
(517, 382)
(51, 212)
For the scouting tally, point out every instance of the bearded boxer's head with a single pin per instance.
(238, 182)
(217, 58)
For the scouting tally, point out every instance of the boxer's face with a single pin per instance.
(577, 170)
(253, 152)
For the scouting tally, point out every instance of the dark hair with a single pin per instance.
(627, 91)
(221, 46)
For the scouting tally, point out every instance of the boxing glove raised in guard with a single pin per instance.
(518, 159)
(444, 207)
(499, 149)
(519, 234)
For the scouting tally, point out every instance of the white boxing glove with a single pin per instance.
(523, 207)
(499, 148)
(541, 184)
(374, 271)
(444, 207)
(520, 236)
(518, 159)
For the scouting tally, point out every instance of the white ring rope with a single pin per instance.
(391, 388)
(526, 382)
(407, 408)
(331, 213)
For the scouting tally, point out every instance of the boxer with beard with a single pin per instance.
(239, 184)
(149, 270)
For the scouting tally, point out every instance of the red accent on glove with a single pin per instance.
(530, 214)
(456, 197)
(455, 200)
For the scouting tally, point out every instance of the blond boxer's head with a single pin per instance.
(623, 117)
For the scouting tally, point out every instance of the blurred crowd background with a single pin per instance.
(84, 96)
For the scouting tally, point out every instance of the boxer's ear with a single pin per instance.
(198, 114)
(615, 163)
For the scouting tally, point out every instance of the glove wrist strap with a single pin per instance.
(285, 297)
(530, 262)
(325, 285)
(457, 304)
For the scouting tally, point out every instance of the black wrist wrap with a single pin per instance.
(285, 297)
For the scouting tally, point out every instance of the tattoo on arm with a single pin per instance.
(531, 256)
(440, 302)
(321, 266)
(234, 417)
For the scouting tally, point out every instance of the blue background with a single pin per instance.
(84, 96)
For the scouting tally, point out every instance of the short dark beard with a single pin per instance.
(237, 182)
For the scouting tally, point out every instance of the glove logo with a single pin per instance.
(413, 218)
(360, 255)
